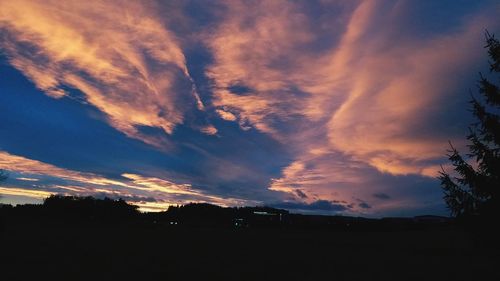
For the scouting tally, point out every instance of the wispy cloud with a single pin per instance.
(35, 179)
(123, 59)
(354, 95)
(366, 99)
(39, 194)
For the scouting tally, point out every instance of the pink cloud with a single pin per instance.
(365, 99)
(120, 56)
(347, 94)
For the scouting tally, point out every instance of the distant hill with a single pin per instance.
(71, 209)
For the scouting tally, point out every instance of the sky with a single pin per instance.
(321, 107)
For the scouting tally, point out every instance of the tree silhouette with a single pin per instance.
(474, 190)
(78, 208)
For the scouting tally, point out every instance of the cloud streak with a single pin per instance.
(35, 179)
(122, 58)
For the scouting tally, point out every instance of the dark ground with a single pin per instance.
(36, 251)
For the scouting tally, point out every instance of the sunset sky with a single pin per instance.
(330, 107)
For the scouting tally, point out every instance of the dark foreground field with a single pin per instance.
(119, 252)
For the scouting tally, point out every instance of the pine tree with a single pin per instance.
(474, 191)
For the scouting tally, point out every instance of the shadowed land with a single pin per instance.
(86, 239)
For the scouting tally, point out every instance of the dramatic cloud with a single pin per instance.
(119, 54)
(368, 97)
(377, 88)
(324, 106)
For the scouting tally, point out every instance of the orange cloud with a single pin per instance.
(325, 176)
(371, 96)
(394, 95)
(345, 93)
(366, 93)
(159, 185)
(226, 115)
(38, 194)
(28, 166)
(165, 192)
(250, 55)
(118, 54)
(209, 130)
